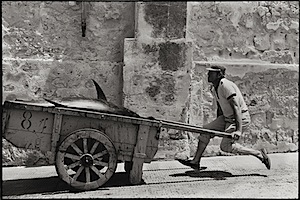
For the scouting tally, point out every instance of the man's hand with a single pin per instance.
(236, 135)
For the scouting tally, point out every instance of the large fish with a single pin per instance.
(100, 104)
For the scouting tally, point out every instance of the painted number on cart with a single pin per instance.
(26, 123)
(43, 123)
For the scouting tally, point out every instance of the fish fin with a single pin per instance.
(100, 93)
(56, 104)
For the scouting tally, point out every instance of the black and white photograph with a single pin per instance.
(150, 99)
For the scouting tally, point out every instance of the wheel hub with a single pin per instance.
(86, 160)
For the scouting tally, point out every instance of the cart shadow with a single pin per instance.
(54, 185)
(216, 175)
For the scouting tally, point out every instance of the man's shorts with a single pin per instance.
(225, 125)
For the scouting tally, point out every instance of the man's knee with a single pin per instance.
(226, 146)
(204, 138)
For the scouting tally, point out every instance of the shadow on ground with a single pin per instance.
(54, 185)
(217, 175)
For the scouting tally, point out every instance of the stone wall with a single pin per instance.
(258, 43)
(45, 54)
(255, 30)
(159, 70)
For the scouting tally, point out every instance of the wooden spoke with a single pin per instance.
(87, 174)
(75, 164)
(72, 156)
(100, 154)
(85, 147)
(104, 164)
(76, 148)
(78, 172)
(94, 147)
(97, 172)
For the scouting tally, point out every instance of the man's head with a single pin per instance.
(215, 73)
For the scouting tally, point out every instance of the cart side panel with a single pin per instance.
(122, 134)
(29, 129)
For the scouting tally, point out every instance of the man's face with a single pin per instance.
(212, 76)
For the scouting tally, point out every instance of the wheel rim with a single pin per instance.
(86, 159)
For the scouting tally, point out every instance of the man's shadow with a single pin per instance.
(216, 175)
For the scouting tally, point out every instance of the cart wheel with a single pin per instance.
(86, 159)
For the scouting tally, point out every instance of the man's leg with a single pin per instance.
(202, 144)
(229, 145)
(218, 125)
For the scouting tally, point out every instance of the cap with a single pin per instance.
(217, 69)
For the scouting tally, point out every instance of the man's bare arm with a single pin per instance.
(237, 113)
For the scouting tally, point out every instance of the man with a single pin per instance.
(232, 115)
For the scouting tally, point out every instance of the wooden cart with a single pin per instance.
(86, 146)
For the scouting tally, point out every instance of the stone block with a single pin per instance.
(160, 20)
(156, 78)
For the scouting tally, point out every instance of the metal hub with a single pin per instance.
(86, 160)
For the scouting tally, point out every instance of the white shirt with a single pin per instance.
(226, 90)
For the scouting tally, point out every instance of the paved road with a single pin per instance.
(225, 177)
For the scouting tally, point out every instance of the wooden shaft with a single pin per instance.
(194, 129)
(177, 123)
